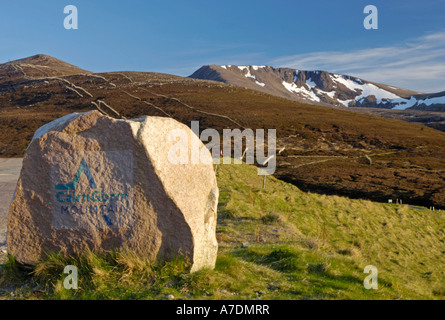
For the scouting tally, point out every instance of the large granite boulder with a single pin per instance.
(89, 181)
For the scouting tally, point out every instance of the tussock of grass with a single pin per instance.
(10, 273)
(301, 246)
(271, 218)
(283, 260)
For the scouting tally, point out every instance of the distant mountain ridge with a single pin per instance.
(321, 87)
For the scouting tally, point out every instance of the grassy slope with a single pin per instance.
(301, 246)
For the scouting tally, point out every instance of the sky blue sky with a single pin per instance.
(177, 37)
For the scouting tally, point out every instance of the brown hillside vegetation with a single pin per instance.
(324, 147)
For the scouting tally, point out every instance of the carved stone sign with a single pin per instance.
(89, 181)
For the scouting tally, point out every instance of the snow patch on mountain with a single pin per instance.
(249, 75)
(258, 67)
(329, 94)
(292, 87)
(345, 102)
(367, 89)
(404, 104)
(259, 83)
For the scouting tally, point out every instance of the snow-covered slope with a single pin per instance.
(321, 87)
(424, 102)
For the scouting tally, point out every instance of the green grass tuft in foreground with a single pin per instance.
(296, 246)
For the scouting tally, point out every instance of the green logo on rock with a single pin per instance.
(72, 186)
(101, 202)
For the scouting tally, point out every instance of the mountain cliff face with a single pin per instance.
(321, 87)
